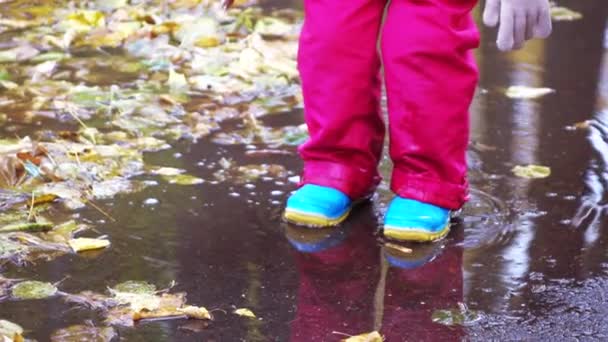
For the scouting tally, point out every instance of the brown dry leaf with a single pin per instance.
(195, 312)
(172, 312)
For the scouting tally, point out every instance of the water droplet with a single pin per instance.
(276, 193)
(294, 179)
(249, 186)
(151, 202)
(234, 194)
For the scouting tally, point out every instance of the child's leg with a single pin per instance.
(430, 78)
(339, 67)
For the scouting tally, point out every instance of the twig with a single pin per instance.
(29, 216)
(95, 206)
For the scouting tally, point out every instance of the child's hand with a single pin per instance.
(519, 20)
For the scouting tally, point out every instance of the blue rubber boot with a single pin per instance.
(317, 206)
(411, 220)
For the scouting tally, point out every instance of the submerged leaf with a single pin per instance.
(524, 92)
(244, 313)
(87, 244)
(532, 171)
(81, 332)
(136, 287)
(458, 316)
(33, 290)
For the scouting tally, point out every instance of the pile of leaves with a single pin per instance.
(123, 78)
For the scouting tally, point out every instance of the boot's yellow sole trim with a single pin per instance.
(312, 220)
(414, 234)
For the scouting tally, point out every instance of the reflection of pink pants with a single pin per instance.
(430, 79)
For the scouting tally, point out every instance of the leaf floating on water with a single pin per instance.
(33, 290)
(170, 312)
(83, 332)
(244, 313)
(583, 125)
(196, 312)
(458, 316)
(177, 82)
(27, 227)
(167, 171)
(87, 244)
(399, 248)
(526, 93)
(135, 287)
(532, 171)
(10, 332)
(559, 13)
(367, 337)
(183, 180)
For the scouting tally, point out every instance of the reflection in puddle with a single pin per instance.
(350, 284)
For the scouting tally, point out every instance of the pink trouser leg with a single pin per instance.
(430, 78)
(339, 66)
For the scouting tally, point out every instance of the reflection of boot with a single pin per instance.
(307, 240)
(338, 275)
(416, 289)
(417, 256)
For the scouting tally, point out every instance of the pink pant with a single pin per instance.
(430, 77)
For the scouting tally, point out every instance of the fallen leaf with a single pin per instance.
(27, 227)
(135, 287)
(559, 13)
(183, 179)
(462, 316)
(532, 171)
(33, 290)
(195, 312)
(399, 248)
(10, 331)
(367, 337)
(87, 244)
(84, 332)
(525, 92)
(244, 313)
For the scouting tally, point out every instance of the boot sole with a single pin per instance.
(414, 234)
(311, 220)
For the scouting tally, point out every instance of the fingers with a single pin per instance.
(519, 29)
(543, 26)
(491, 13)
(531, 20)
(506, 29)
